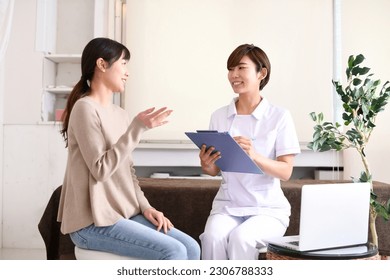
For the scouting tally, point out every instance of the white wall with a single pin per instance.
(6, 11)
(180, 48)
(1, 149)
(34, 156)
(365, 26)
(34, 164)
(23, 81)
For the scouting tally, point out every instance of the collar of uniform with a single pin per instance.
(257, 113)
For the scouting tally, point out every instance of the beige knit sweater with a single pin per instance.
(100, 185)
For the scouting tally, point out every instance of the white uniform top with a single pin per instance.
(273, 134)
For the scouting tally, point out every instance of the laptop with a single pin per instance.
(332, 216)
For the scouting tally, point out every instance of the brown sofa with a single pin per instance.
(187, 203)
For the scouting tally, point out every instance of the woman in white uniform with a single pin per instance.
(249, 208)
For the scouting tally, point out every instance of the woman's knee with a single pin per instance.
(193, 251)
(241, 246)
(175, 251)
(209, 237)
(191, 245)
(238, 236)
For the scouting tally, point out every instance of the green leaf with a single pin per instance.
(320, 117)
(313, 116)
(371, 124)
(381, 211)
(348, 73)
(347, 117)
(376, 83)
(359, 71)
(354, 104)
(356, 82)
(364, 70)
(328, 125)
(364, 177)
(325, 148)
(374, 196)
(365, 109)
(345, 98)
(359, 59)
(351, 60)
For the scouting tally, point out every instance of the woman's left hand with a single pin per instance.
(246, 145)
(153, 118)
(158, 219)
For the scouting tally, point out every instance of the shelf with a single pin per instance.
(62, 51)
(61, 72)
(159, 153)
(59, 90)
(185, 144)
(166, 144)
(64, 58)
(52, 123)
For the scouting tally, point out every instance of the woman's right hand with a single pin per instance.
(151, 118)
(158, 219)
(208, 159)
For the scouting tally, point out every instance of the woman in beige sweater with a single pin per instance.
(102, 206)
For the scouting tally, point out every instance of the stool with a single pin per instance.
(86, 254)
(262, 253)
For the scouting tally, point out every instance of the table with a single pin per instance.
(359, 252)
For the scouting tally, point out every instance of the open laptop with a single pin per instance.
(332, 216)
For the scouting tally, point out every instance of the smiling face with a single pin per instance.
(247, 60)
(116, 75)
(244, 77)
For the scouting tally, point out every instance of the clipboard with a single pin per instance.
(233, 157)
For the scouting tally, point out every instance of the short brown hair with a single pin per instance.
(257, 55)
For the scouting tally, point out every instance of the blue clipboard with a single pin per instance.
(233, 157)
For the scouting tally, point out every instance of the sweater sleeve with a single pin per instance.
(86, 127)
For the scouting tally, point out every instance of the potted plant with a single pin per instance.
(361, 105)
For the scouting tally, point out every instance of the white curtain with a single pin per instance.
(6, 13)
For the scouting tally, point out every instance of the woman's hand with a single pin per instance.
(280, 168)
(158, 219)
(246, 145)
(152, 118)
(208, 159)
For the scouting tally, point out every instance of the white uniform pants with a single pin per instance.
(235, 238)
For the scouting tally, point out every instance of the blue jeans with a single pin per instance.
(137, 237)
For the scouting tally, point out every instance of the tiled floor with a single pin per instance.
(22, 254)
